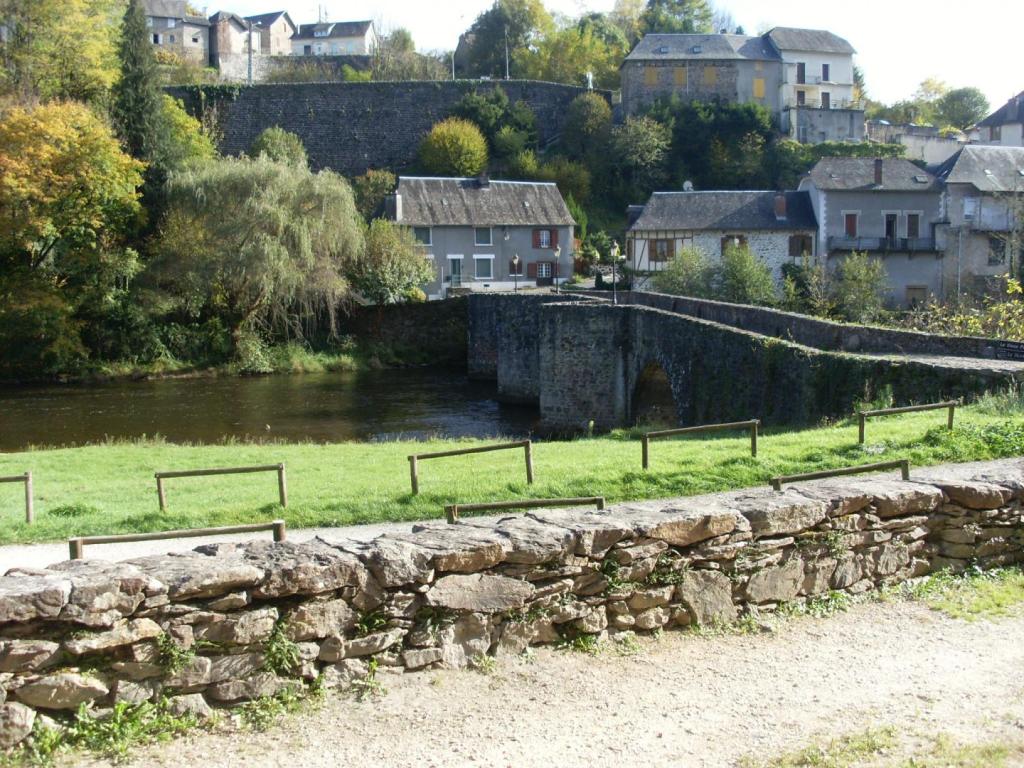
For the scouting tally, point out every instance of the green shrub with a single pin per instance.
(744, 278)
(688, 274)
(279, 145)
(861, 284)
(454, 147)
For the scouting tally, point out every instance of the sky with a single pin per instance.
(899, 42)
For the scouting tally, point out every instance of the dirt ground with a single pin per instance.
(680, 700)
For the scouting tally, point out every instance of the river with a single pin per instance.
(320, 407)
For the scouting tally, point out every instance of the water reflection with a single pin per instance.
(328, 407)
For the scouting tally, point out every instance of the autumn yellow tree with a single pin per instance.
(568, 54)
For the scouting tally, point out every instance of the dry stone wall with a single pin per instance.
(204, 628)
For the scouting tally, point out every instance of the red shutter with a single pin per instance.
(536, 238)
(531, 268)
(554, 238)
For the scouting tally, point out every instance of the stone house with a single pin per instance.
(925, 143)
(230, 39)
(341, 38)
(277, 30)
(484, 235)
(804, 77)
(1004, 127)
(982, 230)
(887, 208)
(779, 228)
(174, 30)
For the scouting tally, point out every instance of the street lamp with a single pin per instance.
(614, 278)
(515, 271)
(558, 255)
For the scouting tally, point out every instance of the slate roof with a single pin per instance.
(816, 40)
(227, 15)
(267, 19)
(165, 9)
(989, 169)
(743, 211)
(438, 202)
(334, 29)
(688, 47)
(848, 174)
(1011, 112)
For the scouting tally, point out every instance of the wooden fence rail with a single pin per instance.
(901, 464)
(30, 513)
(753, 425)
(415, 459)
(282, 479)
(76, 546)
(863, 416)
(452, 511)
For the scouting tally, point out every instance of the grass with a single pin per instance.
(889, 748)
(109, 488)
(973, 595)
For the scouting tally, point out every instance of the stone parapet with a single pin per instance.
(205, 627)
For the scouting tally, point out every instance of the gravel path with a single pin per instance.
(681, 701)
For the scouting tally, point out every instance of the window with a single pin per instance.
(800, 245)
(149, 21)
(826, 100)
(710, 76)
(484, 266)
(850, 224)
(801, 98)
(679, 77)
(825, 73)
(970, 207)
(195, 39)
(650, 75)
(482, 236)
(996, 251)
(733, 241)
(544, 270)
(758, 87)
(662, 250)
(913, 225)
(891, 222)
(545, 238)
(758, 66)
(422, 235)
(172, 38)
(515, 268)
(171, 23)
(307, 50)
(801, 73)
(156, 39)
(916, 295)
(997, 133)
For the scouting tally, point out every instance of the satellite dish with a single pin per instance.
(687, 186)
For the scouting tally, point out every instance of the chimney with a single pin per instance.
(878, 171)
(780, 206)
(393, 207)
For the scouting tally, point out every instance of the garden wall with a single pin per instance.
(229, 623)
(430, 333)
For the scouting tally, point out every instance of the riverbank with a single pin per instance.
(109, 488)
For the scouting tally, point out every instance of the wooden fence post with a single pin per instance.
(753, 438)
(280, 531)
(952, 407)
(646, 447)
(529, 462)
(282, 486)
(75, 548)
(30, 513)
(160, 493)
(414, 476)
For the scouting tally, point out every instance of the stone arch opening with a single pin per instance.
(653, 403)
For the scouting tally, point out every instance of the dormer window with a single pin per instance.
(321, 33)
(662, 49)
(697, 49)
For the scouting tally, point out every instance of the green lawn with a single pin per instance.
(105, 489)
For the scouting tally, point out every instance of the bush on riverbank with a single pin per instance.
(110, 486)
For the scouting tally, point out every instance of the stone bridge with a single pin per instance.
(585, 360)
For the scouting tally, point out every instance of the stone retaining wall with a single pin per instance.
(198, 627)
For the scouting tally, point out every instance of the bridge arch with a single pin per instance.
(654, 400)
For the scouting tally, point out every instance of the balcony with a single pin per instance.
(883, 244)
(816, 104)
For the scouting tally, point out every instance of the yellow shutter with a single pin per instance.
(680, 77)
(650, 75)
(710, 76)
(758, 87)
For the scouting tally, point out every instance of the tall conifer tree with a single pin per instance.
(138, 111)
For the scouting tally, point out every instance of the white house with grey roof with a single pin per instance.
(1004, 127)
(174, 30)
(888, 208)
(778, 227)
(484, 235)
(334, 38)
(804, 77)
(983, 216)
